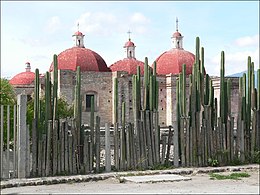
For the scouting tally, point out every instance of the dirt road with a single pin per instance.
(200, 183)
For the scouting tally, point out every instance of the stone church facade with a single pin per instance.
(97, 79)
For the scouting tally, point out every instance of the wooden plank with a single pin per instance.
(49, 149)
(187, 143)
(70, 156)
(34, 149)
(144, 136)
(157, 137)
(44, 155)
(66, 148)
(140, 161)
(128, 149)
(8, 139)
(97, 141)
(2, 140)
(164, 138)
(133, 149)
(15, 143)
(135, 145)
(148, 138)
(86, 154)
(107, 148)
(232, 139)
(116, 146)
(74, 155)
(152, 136)
(122, 149)
(62, 147)
(242, 142)
(182, 140)
(176, 145)
(170, 134)
(55, 148)
(39, 158)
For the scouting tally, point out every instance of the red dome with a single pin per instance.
(176, 34)
(78, 33)
(129, 65)
(23, 78)
(129, 44)
(87, 59)
(172, 61)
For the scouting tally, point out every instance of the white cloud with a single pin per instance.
(234, 62)
(247, 41)
(138, 18)
(103, 23)
(53, 24)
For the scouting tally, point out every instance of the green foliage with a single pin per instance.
(235, 176)
(7, 94)
(256, 157)
(64, 110)
(7, 97)
(213, 162)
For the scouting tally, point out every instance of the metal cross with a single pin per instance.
(129, 32)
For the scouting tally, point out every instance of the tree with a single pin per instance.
(7, 94)
(7, 97)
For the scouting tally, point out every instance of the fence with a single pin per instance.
(65, 150)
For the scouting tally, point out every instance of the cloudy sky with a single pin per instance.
(34, 31)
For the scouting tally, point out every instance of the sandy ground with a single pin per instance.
(200, 183)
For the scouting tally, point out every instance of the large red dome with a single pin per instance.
(87, 59)
(129, 65)
(23, 78)
(171, 61)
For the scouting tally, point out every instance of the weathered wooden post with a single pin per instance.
(107, 148)
(22, 131)
(2, 139)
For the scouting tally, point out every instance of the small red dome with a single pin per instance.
(87, 59)
(129, 65)
(129, 44)
(176, 34)
(171, 62)
(78, 33)
(23, 78)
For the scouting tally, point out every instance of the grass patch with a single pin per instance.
(234, 176)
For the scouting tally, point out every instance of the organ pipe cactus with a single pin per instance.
(47, 99)
(37, 101)
(55, 86)
(77, 100)
(115, 115)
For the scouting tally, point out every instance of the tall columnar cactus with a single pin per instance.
(37, 100)
(77, 101)
(55, 86)
(47, 99)
(222, 88)
(146, 85)
(258, 89)
(115, 100)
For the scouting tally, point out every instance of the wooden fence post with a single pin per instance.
(22, 150)
(107, 148)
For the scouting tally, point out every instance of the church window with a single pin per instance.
(88, 101)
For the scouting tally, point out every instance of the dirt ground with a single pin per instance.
(200, 183)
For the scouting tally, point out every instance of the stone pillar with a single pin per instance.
(22, 135)
(171, 99)
(107, 148)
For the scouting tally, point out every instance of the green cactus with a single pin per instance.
(258, 89)
(222, 88)
(47, 99)
(115, 101)
(55, 86)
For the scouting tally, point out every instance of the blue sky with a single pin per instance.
(34, 31)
